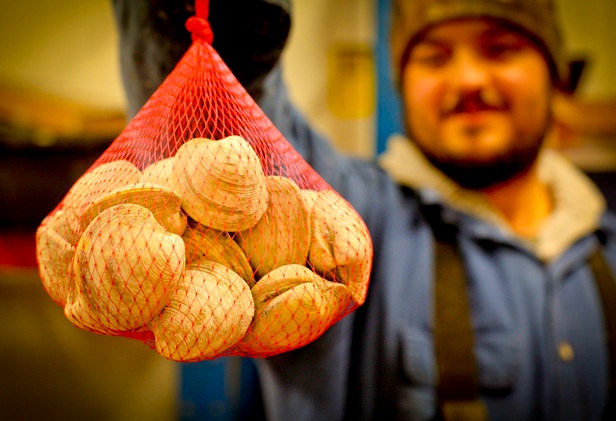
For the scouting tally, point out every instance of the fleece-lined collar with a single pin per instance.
(578, 204)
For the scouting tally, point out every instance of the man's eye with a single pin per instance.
(501, 49)
(430, 58)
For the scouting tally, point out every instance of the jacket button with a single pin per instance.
(565, 351)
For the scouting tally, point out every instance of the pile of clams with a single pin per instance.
(202, 254)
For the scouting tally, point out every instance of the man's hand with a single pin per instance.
(249, 35)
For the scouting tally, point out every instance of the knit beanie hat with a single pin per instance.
(534, 18)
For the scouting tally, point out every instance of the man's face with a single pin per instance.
(477, 100)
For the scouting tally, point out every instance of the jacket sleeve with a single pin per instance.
(321, 379)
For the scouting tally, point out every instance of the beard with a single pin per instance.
(483, 173)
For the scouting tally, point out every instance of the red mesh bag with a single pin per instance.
(200, 231)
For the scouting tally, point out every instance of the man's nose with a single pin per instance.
(469, 72)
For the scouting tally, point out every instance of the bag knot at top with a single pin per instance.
(200, 29)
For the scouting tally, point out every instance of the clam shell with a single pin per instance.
(162, 201)
(281, 280)
(160, 172)
(93, 184)
(341, 245)
(210, 312)
(294, 306)
(54, 255)
(337, 301)
(309, 197)
(126, 268)
(205, 245)
(221, 183)
(282, 235)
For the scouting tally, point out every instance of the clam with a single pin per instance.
(164, 203)
(221, 183)
(54, 255)
(356, 276)
(160, 172)
(293, 307)
(282, 235)
(95, 183)
(341, 245)
(210, 312)
(309, 197)
(126, 268)
(210, 245)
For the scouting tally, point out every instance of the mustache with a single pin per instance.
(480, 100)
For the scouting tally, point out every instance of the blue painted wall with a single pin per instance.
(388, 114)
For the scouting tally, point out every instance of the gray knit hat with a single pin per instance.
(536, 18)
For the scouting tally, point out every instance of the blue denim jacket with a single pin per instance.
(539, 334)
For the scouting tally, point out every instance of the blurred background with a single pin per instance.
(62, 103)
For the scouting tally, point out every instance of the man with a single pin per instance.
(472, 204)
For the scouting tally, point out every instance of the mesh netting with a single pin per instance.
(200, 231)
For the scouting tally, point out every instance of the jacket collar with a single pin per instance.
(578, 203)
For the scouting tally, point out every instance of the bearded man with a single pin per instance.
(491, 292)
